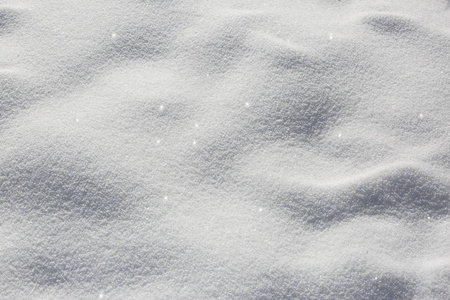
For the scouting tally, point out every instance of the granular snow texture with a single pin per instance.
(217, 149)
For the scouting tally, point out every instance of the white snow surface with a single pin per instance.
(211, 149)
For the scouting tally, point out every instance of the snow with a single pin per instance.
(224, 149)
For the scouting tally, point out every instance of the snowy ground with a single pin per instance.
(216, 149)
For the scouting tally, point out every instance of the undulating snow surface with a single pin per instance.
(216, 149)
